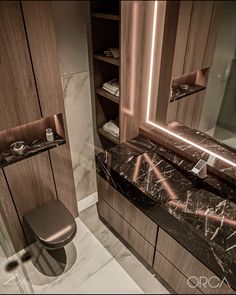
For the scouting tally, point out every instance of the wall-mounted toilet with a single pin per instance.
(51, 224)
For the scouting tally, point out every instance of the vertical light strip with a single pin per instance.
(154, 25)
(134, 35)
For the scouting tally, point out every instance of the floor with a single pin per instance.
(97, 263)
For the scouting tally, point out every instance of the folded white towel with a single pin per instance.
(116, 93)
(111, 128)
(112, 85)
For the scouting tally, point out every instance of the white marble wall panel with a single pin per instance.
(72, 27)
(76, 89)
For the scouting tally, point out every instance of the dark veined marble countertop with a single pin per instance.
(199, 214)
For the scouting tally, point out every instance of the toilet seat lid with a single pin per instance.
(52, 223)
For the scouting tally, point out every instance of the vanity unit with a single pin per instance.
(181, 228)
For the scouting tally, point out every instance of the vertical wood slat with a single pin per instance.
(196, 46)
(19, 102)
(180, 50)
(10, 218)
(42, 41)
(131, 28)
(167, 56)
(31, 183)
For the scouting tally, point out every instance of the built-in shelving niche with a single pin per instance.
(196, 80)
(34, 135)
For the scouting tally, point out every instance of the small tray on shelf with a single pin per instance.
(193, 89)
(36, 147)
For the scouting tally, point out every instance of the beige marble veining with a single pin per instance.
(76, 89)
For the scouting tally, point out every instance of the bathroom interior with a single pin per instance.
(118, 147)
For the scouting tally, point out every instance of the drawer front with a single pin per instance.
(127, 232)
(188, 264)
(173, 277)
(128, 211)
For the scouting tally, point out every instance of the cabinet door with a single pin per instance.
(126, 231)
(18, 96)
(187, 264)
(140, 222)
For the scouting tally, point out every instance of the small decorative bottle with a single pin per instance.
(49, 134)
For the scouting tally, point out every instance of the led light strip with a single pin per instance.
(154, 25)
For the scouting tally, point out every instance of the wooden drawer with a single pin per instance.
(173, 276)
(187, 263)
(126, 231)
(128, 211)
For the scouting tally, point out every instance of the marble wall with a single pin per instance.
(72, 27)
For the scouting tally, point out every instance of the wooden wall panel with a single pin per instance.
(42, 41)
(64, 179)
(10, 218)
(196, 46)
(19, 102)
(185, 11)
(167, 57)
(131, 51)
(31, 183)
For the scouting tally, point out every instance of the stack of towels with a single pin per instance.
(112, 128)
(112, 87)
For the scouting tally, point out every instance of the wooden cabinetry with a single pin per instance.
(127, 232)
(171, 258)
(173, 276)
(127, 220)
(105, 21)
(171, 261)
(139, 221)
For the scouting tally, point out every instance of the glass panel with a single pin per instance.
(13, 276)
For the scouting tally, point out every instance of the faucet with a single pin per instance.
(200, 169)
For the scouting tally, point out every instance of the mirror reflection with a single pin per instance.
(203, 86)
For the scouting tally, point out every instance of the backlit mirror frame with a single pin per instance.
(150, 85)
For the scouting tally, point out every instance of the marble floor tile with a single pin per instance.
(110, 279)
(136, 270)
(85, 257)
(97, 262)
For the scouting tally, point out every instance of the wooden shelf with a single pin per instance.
(108, 135)
(106, 16)
(107, 95)
(194, 89)
(107, 59)
(7, 158)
